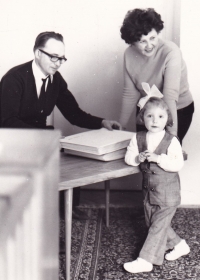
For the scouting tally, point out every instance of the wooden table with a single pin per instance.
(77, 172)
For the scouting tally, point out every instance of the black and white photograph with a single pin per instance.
(99, 140)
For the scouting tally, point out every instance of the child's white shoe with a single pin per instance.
(179, 250)
(137, 266)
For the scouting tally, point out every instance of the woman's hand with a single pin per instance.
(173, 132)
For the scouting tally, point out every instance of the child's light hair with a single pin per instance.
(157, 102)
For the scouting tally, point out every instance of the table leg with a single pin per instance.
(107, 188)
(68, 230)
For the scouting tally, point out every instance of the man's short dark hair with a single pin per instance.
(43, 37)
(140, 22)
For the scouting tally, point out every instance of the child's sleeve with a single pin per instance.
(132, 152)
(173, 161)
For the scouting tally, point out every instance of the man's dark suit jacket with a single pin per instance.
(21, 108)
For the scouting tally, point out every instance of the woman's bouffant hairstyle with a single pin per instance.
(157, 102)
(43, 37)
(140, 22)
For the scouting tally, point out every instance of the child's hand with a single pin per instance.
(151, 156)
(141, 157)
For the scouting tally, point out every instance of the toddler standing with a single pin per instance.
(160, 157)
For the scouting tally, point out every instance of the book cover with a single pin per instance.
(106, 157)
(98, 142)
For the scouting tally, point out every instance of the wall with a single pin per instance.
(189, 43)
(94, 68)
(95, 53)
(93, 45)
(95, 57)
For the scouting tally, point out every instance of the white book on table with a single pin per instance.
(106, 157)
(97, 142)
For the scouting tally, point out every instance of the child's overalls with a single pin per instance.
(161, 191)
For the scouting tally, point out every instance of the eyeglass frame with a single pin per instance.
(53, 56)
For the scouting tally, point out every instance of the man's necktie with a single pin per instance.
(42, 96)
(42, 91)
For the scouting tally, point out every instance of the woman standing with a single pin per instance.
(157, 62)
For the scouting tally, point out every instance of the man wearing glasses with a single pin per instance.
(29, 92)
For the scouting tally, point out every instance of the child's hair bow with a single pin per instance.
(151, 92)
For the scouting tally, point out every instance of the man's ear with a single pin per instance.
(37, 53)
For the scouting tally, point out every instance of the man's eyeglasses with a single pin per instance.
(54, 58)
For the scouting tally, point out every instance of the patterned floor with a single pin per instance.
(98, 253)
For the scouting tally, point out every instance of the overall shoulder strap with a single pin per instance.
(164, 144)
(141, 141)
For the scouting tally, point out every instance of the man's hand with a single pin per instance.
(151, 156)
(110, 125)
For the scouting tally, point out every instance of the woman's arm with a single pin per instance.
(171, 86)
(130, 99)
(173, 109)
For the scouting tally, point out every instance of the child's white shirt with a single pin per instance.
(172, 161)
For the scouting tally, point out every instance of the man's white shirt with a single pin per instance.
(38, 75)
